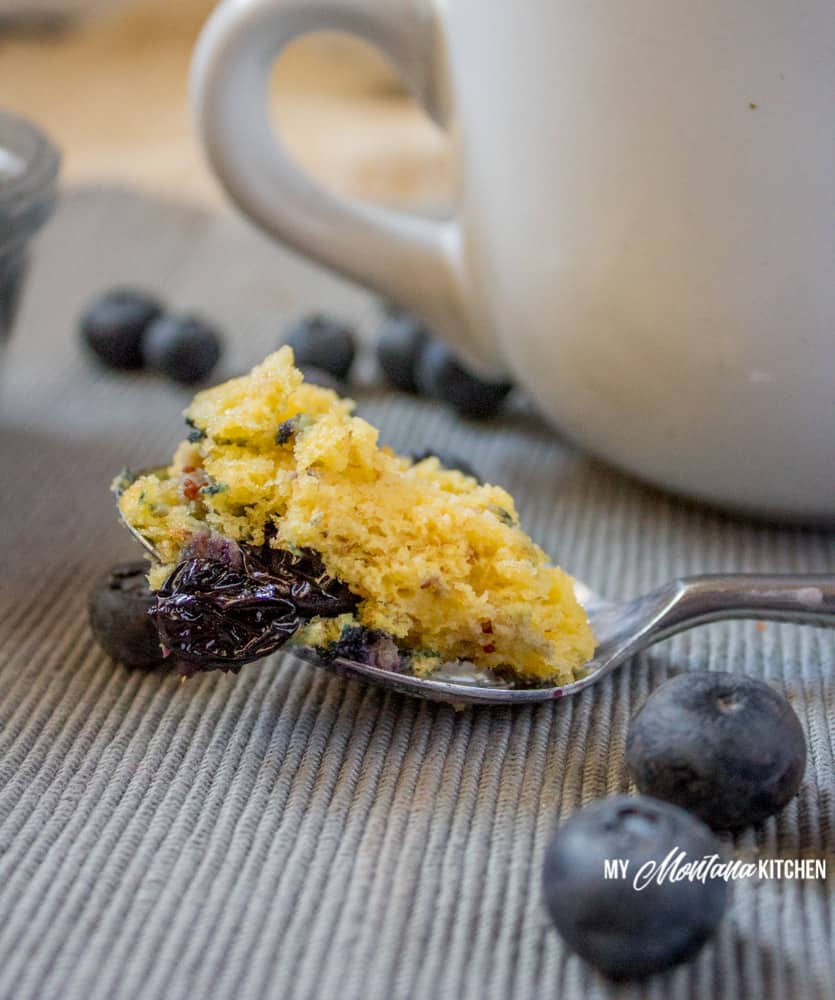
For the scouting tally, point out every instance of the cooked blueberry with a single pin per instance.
(195, 433)
(113, 326)
(211, 616)
(448, 461)
(440, 375)
(371, 646)
(624, 931)
(318, 376)
(286, 431)
(324, 343)
(229, 605)
(118, 607)
(185, 348)
(401, 340)
(725, 746)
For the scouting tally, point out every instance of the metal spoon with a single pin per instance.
(622, 630)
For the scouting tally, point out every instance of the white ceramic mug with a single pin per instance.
(645, 232)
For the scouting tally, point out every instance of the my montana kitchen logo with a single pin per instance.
(676, 867)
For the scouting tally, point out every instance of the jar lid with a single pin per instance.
(29, 164)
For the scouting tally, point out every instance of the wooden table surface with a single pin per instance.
(112, 90)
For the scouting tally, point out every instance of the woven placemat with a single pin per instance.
(289, 834)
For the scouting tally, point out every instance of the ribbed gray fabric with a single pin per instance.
(288, 834)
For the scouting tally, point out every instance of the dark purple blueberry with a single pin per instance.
(213, 617)
(323, 342)
(218, 613)
(118, 606)
(114, 325)
(440, 375)
(185, 348)
(286, 431)
(371, 646)
(401, 340)
(625, 931)
(448, 461)
(305, 581)
(725, 746)
(318, 376)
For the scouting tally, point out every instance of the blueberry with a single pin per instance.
(624, 931)
(371, 646)
(725, 746)
(448, 462)
(114, 324)
(440, 375)
(324, 343)
(401, 341)
(226, 604)
(185, 348)
(318, 376)
(117, 608)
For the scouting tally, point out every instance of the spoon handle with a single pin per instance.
(806, 599)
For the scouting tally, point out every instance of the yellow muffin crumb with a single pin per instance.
(438, 560)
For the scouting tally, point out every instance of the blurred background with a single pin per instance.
(108, 80)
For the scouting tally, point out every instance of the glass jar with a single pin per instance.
(29, 164)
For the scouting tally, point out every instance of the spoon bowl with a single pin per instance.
(621, 629)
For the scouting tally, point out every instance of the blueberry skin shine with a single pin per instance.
(624, 932)
(727, 747)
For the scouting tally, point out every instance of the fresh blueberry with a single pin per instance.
(725, 746)
(114, 324)
(318, 376)
(624, 931)
(324, 343)
(185, 348)
(440, 375)
(401, 341)
(448, 462)
(117, 608)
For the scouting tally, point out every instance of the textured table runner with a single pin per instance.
(289, 834)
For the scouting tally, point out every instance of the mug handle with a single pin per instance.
(414, 261)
